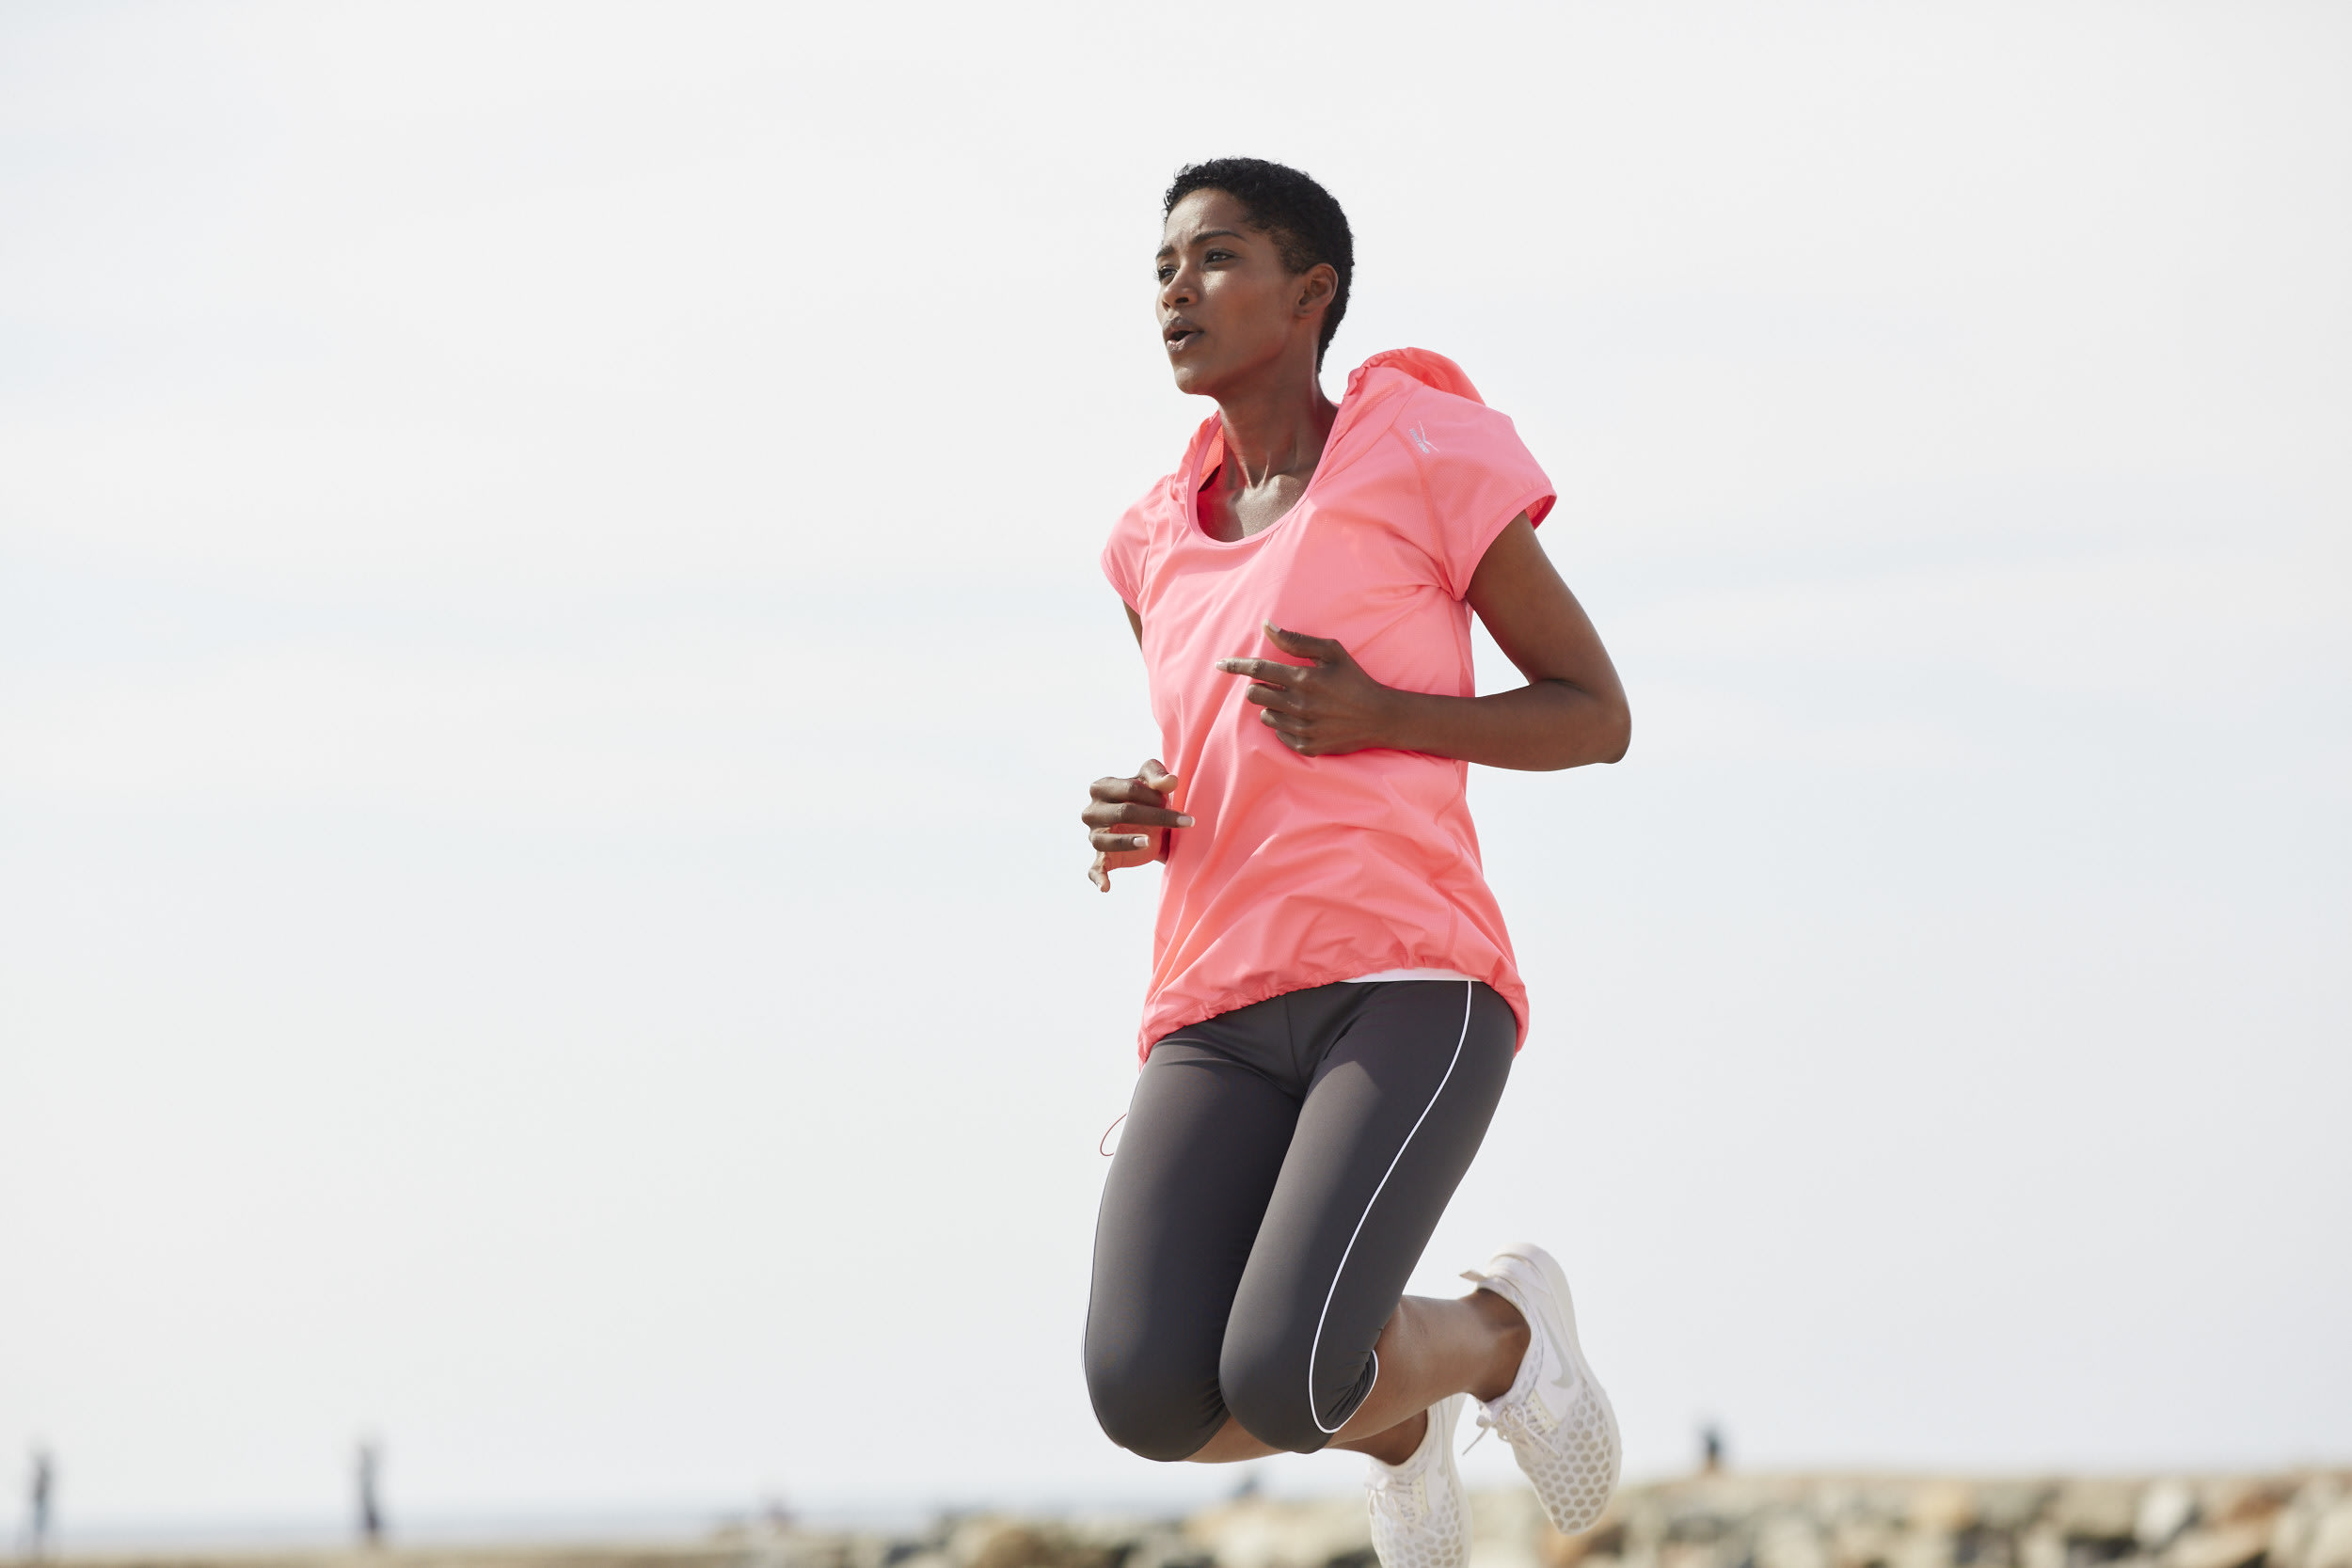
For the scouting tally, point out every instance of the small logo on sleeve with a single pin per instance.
(1420, 438)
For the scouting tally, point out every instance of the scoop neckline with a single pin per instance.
(1193, 477)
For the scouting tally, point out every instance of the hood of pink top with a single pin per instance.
(1425, 366)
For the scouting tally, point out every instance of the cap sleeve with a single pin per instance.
(1124, 553)
(1478, 476)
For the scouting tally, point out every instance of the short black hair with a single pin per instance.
(1290, 209)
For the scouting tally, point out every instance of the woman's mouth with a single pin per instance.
(1177, 337)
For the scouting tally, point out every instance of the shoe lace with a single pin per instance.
(1486, 1421)
(1400, 1493)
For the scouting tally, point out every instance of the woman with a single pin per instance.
(1333, 1006)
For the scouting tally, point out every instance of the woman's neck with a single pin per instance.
(1276, 432)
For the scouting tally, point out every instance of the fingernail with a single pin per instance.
(1141, 843)
(1184, 821)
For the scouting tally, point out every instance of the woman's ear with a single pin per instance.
(1315, 289)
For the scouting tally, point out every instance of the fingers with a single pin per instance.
(1108, 861)
(1266, 670)
(1277, 697)
(1116, 808)
(1323, 650)
(1136, 800)
(1125, 790)
(1108, 814)
(1128, 801)
(1293, 734)
(1148, 787)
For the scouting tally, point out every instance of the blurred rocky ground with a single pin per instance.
(1725, 1521)
(2281, 1521)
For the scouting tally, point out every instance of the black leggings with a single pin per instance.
(1282, 1166)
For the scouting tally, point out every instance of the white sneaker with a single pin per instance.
(1420, 1511)
(1554, 1414)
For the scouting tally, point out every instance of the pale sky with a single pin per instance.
(550, 649)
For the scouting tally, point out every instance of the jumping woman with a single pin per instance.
(1334, 1002)
(1333, 1007)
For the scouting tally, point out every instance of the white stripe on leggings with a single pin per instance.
(1469, 994)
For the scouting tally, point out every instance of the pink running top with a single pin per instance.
(1304, 871)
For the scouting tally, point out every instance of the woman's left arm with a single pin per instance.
(1571, 711)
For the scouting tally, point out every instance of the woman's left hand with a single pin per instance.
(1319, 709)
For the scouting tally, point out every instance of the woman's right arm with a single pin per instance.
(1116, 807)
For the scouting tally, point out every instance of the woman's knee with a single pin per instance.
(1152, 1407)
(1264, 1381)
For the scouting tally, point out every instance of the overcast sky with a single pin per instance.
(550, 648)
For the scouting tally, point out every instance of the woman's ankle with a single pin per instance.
(1511, 1340)
(1396, 1444)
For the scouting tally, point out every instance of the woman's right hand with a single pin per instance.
(1118, 808)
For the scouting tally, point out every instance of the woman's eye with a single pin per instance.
(1221, 255)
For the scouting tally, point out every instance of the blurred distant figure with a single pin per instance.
(371, 1507)
(1711, 1449)
(39, 1487)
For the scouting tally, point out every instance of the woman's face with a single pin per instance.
(1226, 304)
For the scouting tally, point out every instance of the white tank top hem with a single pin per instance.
(1406, 974)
